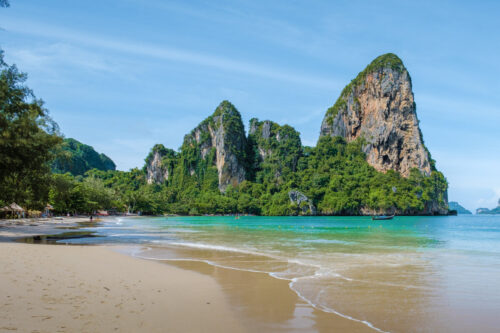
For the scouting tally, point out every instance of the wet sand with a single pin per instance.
(13, 229)
(59, 288)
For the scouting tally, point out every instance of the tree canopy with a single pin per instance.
(28, 137)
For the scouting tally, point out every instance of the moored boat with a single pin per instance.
(382, 217)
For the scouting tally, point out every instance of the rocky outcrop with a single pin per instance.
(224, 135)
(159, 164)
(489, 211)
(304, 204)
(378, 108)
(278, 146)
(453, 205)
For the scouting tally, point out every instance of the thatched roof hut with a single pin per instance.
(16, 208)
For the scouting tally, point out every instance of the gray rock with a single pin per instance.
(303, 202)
(155, 172)
(218, 132)
(381, 110)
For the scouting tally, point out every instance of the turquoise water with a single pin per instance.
(420, 274)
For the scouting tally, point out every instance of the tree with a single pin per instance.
(28, 137)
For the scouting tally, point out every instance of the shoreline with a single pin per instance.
(59, 288)
(14, 229)
(325, 319)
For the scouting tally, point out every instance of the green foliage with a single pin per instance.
(77, 158)
(27, 138)
(282, 149)
(68, 194)
(334, 175)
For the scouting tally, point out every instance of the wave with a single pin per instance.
(278, 275)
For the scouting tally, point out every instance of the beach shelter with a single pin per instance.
(16, 208)
(13, 208)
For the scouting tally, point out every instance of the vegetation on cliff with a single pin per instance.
(334, 176)
(217, 170)
(273, 151)
(77, 158)
(388, 60)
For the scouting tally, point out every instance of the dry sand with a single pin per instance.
(56, 288)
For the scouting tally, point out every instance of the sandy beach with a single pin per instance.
(52, 288)
(71, 288)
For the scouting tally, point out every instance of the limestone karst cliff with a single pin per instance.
(370, 159)
(274, 147)
(223, 134)
(159, 164)
(378, 107)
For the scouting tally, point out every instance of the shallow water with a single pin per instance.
(418, 274)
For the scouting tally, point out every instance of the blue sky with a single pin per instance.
(122, 75)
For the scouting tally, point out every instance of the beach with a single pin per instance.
(78, 288)
(51, 288)
(252, 274)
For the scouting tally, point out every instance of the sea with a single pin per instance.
(418, 274)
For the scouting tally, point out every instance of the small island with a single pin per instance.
(455, 206)
(486, 211)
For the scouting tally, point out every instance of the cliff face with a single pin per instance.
(159, 164)
(222, 133)
(304, 204)
(378, 107)
(274, 146)
(373, 122)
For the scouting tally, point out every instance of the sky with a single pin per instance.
(123, 75)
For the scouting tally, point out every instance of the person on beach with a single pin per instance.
(91, 218)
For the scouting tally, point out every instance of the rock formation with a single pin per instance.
(378, 108)
(489, 211)
(304, 203)
(277, 146)
(373, 122)
(159, 164)
(223, 133)
(453, 205)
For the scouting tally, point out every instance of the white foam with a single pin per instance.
(330, 310)
(218, 248)
(272, 274)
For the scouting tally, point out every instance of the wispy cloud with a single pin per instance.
(64, 54)
(167, 53)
